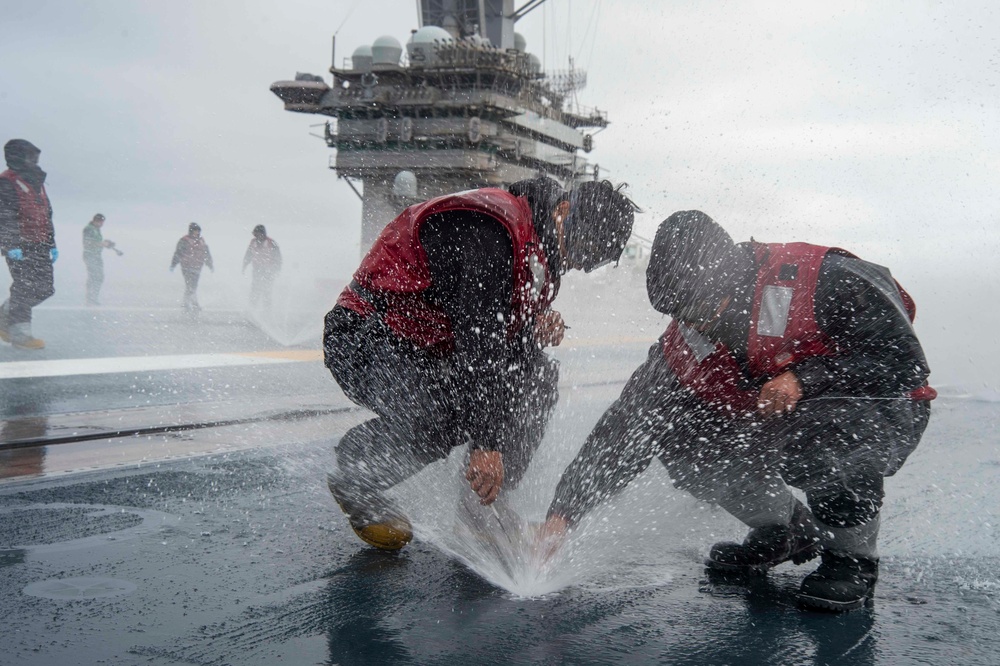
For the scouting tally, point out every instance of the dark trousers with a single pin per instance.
(191, 276)
(261, 284)
(423, 412)
(31, 282)
(836, 450)
(95, 277)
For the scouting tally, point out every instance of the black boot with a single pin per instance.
(765, 547)
(841, 583)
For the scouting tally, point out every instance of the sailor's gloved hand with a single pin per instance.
(54, 254)
(16, 254)
(485, 474)
(173, 267)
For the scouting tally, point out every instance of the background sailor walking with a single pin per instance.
(192, 254)
(93, 248)
(264, 258)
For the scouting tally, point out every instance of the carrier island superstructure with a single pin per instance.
(464, 105)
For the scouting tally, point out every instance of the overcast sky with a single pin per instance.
(873, 126)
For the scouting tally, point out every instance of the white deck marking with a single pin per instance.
(101, 366)
(109, 365)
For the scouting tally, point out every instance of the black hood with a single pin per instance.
(16, 152)
(687, 263)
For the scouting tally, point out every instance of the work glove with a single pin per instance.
(54, 254)
(16, 254)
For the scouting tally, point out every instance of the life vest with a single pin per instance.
(394, 276)
(264, 254)
(193, 252)
(34, 219)
(783, 331)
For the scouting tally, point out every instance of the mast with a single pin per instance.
(467, 106)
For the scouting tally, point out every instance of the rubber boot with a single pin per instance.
(768, 546)
(21, 338)
(382, 528)
(841, 583)
(846, 577)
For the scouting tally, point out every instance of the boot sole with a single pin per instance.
(833, 606)
(753, 570)
(384, 536)
(390, 535)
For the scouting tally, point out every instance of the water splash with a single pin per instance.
(293, 317)
(500, 546)
(498, 542)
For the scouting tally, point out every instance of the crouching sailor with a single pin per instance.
(785, 365)
(441, 334)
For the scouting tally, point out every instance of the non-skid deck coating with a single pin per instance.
(242, 558)
(219, 544)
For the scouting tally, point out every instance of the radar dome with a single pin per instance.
(534, 64)
(520, 43)
(420, 48)
(362, 58)
(405, 184)
(386, 51)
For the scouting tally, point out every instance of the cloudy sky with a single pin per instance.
(873, 126)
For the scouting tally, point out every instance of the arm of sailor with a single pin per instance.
(858, 306)
(624, 442)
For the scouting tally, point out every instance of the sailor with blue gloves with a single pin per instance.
(27, 241)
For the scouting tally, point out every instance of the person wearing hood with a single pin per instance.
(27, 240)
(441, 333)
(785, 365)
(264, 258)
(192, 254)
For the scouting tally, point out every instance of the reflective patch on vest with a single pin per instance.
(23, 187)
(537, 275)
(775, 303)
(699, 343)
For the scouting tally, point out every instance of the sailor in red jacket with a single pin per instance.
(192, 254)
(27, 241)
(441, 331)
(264, 258)
(784, 365)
